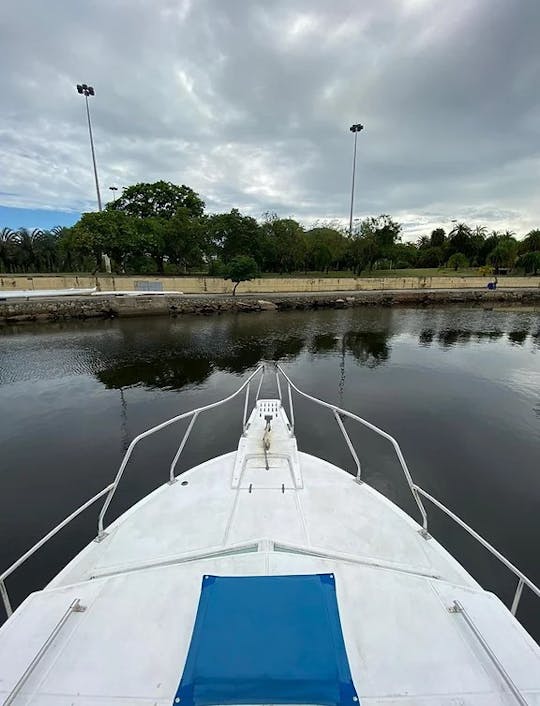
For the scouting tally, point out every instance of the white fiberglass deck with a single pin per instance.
(417, 628)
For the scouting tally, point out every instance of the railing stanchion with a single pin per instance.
(260, 384)
(181, 447)
(291, 408)
(350, 445)
(278, 385)
(487, 545)
(5, 599)
(246, 402)
(517, 596)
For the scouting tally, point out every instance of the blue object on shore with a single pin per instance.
(267, 640)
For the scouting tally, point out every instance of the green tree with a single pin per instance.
(503, 254)
(27, 247)
(457, 261)
(46, 252)
(530, 243)
(530, 262)
(107, 232)
(241, 268)
(151, 239)
(8, 244)
(404, 255)
(325, 248)
(460, 240)
(384, 230)
(437, 238)
(232, 234)
(160, 199)
(375, 240)
(431, 257)
(284, 243)
(185, 239)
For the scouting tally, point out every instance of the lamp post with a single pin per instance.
(86, 91)
(355, 129)
(114, 189)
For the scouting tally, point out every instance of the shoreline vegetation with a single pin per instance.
(163, 229)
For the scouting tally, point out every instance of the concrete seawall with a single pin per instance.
(266, 285)
(65, 308)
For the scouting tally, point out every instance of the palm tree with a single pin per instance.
(8, 239)
(27, 241)
(480, 231)
(460, 240)
(46, 252)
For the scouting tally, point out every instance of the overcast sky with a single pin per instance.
(250, 103)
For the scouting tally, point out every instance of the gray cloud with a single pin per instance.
(250, 102)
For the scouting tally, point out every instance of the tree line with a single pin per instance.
(163, 228)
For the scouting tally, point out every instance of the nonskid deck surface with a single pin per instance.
(140, 585)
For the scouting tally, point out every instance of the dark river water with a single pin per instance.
(458, 387)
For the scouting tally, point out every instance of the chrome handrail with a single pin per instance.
(111, 488)
(416, 490)
(343, 412)
(192, 413)
(522, 579)
(38, 545)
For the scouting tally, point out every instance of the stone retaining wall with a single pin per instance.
(111, 307)
(215, 285)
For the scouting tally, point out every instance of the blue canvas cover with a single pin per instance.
(267, 640)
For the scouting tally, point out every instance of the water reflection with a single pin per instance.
(369, 348)
(175, 354)
(518, 337)
(190, 356)
(177, 369)
(323, 343)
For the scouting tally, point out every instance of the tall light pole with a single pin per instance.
(114, 189)
(86, 91)
(356, 129)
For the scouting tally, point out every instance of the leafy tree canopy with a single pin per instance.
(241, 268)
(457, 260)
(161, 199)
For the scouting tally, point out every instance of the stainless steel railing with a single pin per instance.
(38, 545)
(110, 490)
(337, 412)
(415, 489)
(194, 413)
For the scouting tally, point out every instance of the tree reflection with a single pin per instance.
(183, 368)
(369, 348)
(449, 337)
(426, 337)
(518, 337)
(171, 356)
(323, 343)
(165, 373)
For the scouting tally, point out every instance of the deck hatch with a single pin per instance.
(267, 639)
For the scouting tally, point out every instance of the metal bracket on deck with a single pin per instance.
(424, 533)
(101, 536)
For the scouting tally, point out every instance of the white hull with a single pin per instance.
(406, 605)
